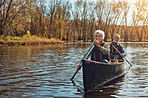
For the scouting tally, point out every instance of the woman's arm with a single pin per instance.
(105, 49)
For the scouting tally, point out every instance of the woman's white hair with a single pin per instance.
(100, 32)
(116, 35)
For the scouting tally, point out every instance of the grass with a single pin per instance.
(27, 40)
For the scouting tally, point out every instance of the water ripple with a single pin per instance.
(46, 71)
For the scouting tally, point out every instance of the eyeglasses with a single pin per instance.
(116, 37)
(98, 36)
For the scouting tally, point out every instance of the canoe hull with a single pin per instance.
(96, 74)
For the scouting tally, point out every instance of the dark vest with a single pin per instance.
(97, 55)
(113, 52)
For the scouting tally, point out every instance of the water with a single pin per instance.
(45, 71)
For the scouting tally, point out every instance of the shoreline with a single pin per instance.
(48, 43)
(28, 44)
(40, 41)
(28, 41)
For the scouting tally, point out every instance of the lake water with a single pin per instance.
(45, 71)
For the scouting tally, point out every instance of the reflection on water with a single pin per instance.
(45, 71)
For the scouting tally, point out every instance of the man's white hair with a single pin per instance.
(100, 32)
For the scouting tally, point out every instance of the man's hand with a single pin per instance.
(122, 55)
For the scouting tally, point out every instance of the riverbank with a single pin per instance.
(27, 41)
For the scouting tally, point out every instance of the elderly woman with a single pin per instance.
(101, 51)
(114, 54)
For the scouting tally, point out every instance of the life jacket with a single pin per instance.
(97, 55)
(113, 52)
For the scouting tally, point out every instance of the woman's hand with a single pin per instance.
(97, 43)
(78, 67)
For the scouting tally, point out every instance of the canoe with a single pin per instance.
(97, 74)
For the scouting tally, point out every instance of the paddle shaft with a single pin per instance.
(121, 54)
(84, 57)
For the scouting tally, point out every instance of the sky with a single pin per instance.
(129, 16)
(131, 1)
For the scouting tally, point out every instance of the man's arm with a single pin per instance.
(122, 50)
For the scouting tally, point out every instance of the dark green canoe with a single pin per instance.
(97, 74)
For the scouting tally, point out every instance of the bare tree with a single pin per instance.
(8, 13)
(140, 18)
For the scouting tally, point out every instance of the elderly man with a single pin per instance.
(114, 54)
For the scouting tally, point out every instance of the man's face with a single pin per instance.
(116, 38)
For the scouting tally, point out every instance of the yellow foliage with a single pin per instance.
(28, 40)
(28, 33)
(109, 40)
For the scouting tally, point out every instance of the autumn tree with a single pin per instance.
(91, 19)
(140, 17)
(9, 10)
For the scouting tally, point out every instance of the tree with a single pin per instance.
(9, 9)
(140, 18)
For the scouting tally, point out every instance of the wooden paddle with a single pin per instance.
(121, 54)
(84, 57)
